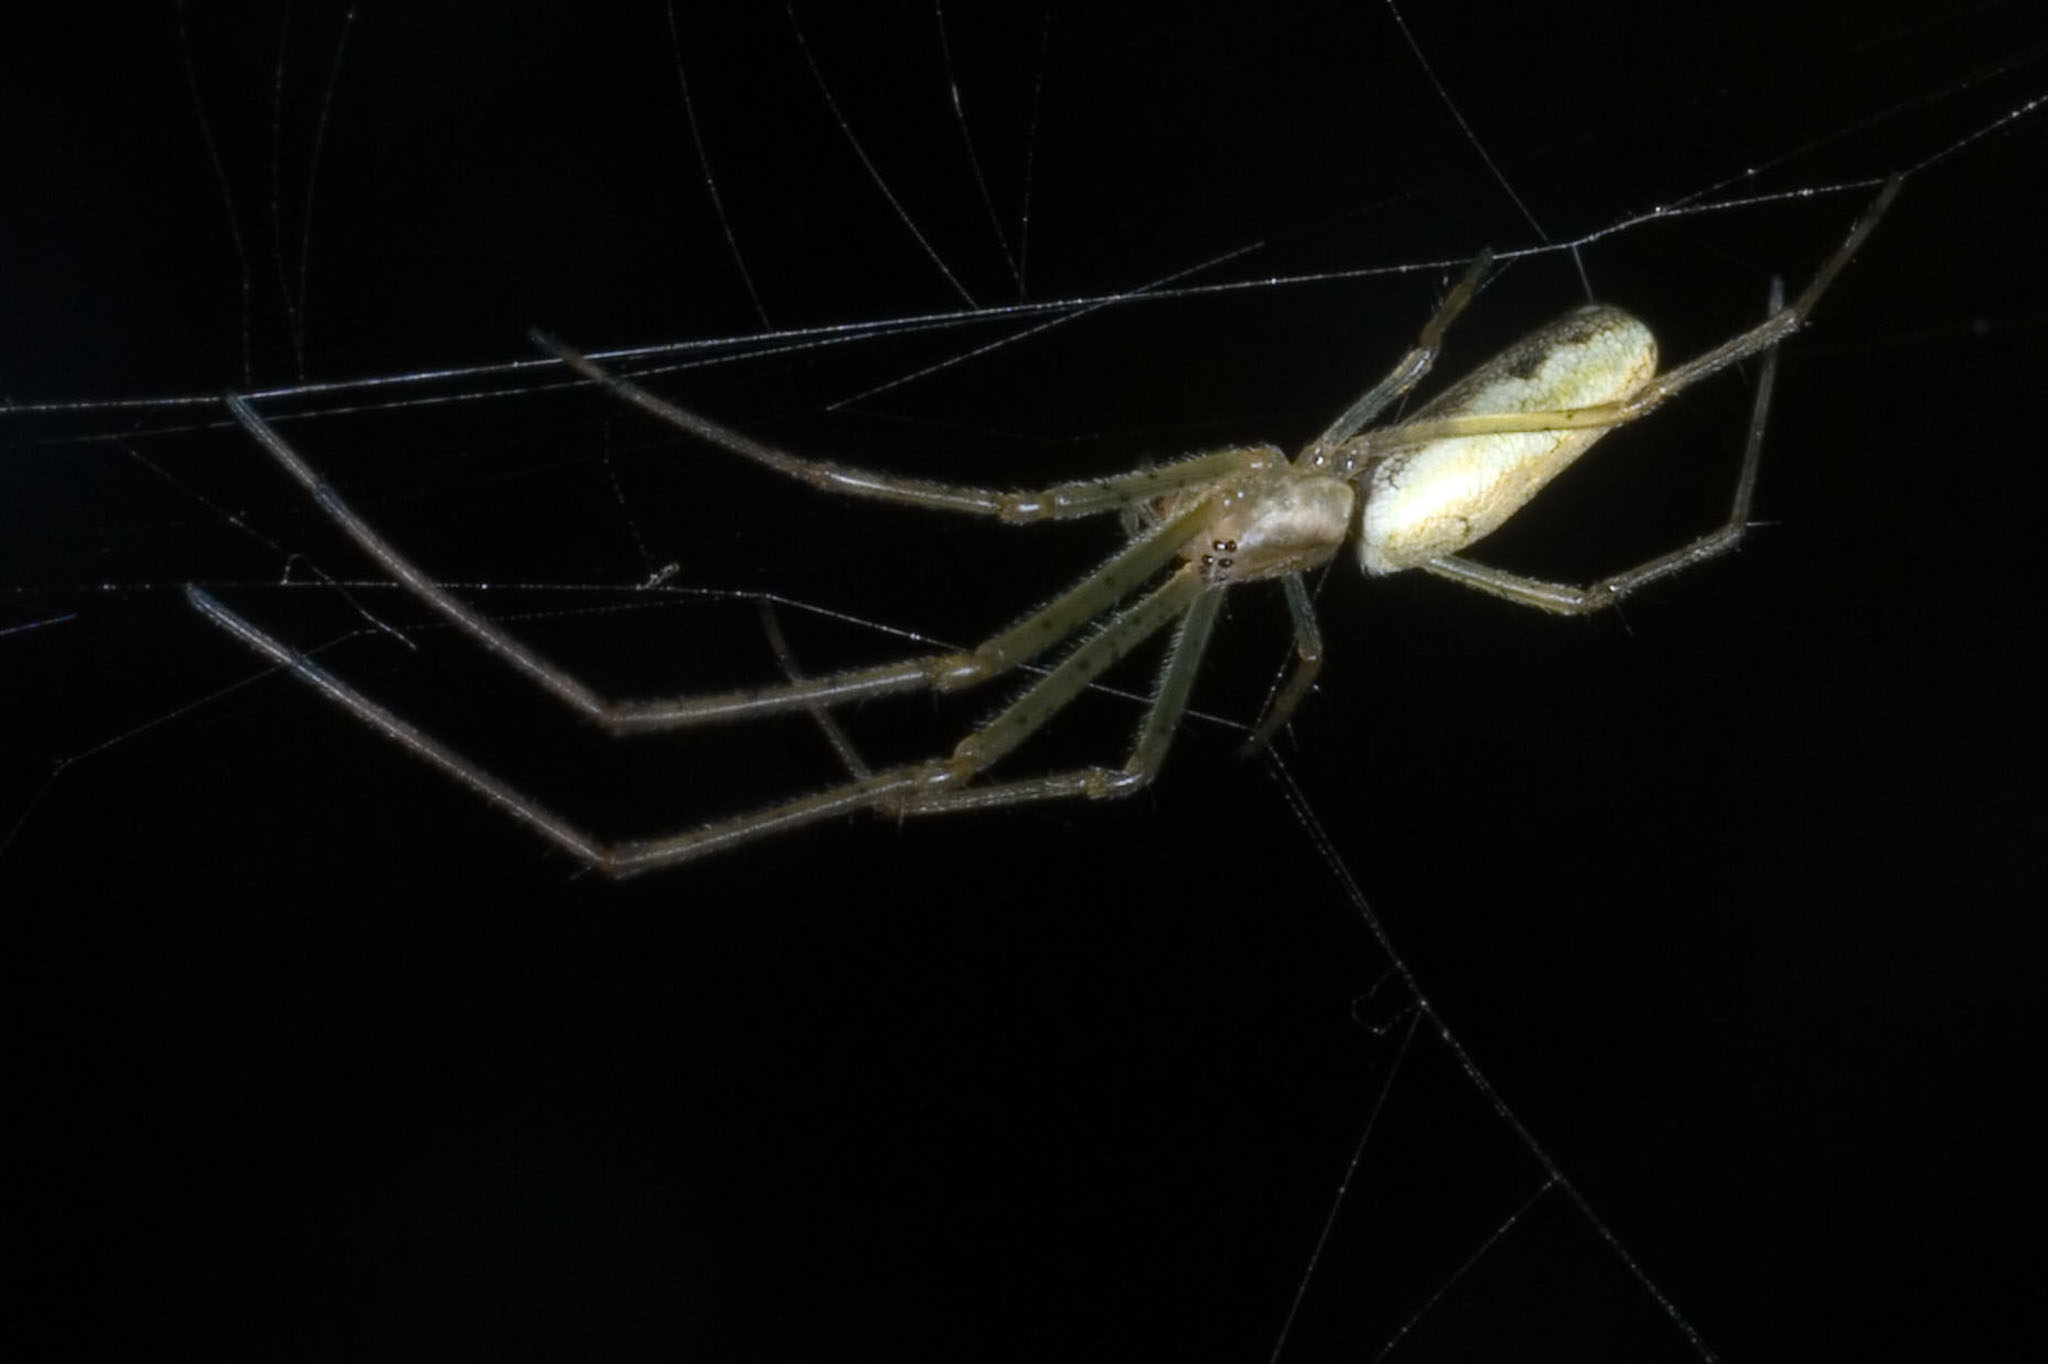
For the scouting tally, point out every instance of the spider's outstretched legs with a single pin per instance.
(944, 787)
(1061, 501)
(1036, 632)
(924, 788)
(1148, 753)
(401, 732)
(1155, 733)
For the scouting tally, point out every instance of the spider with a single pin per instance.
(1415, 493)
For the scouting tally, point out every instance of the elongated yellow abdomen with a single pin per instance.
(1437, 498)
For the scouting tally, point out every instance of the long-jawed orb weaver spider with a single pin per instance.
(1412, 494)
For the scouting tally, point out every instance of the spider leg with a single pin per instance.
(1162, 717)
(1073, 674)
(614, 859)
(1572, 599)
(821, 715)
(941, 787)
(912, 789)
(1032, 635)
(1061, 501)
(1308, 661)
(1148, 752)
(402, 732)
(1410, 369)
(917, 788)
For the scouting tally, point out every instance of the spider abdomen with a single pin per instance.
(1437, 497)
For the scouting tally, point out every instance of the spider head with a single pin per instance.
(1284, 522)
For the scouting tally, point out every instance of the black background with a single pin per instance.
(1734, 897)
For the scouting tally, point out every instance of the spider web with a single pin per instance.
(1707, 1031)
